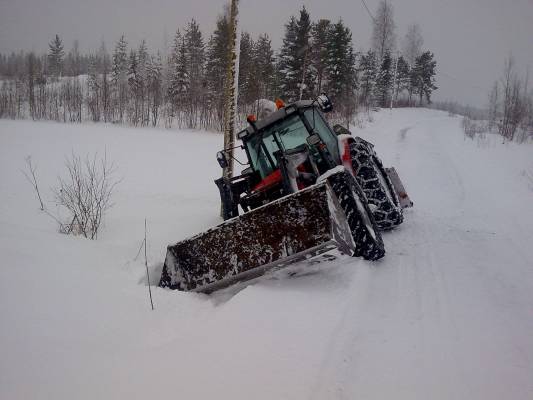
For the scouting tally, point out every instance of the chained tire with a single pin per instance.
(376, 184)
(365, 233)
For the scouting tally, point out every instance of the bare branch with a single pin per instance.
(32, 179)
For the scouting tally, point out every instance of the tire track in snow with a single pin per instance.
(328, 384)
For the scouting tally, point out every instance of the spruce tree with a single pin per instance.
(55, 57)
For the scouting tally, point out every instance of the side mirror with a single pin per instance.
(341, 130)
(313, 140)
(222, 160)
(324, 103)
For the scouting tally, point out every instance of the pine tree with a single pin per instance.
(264, 61)
(195, 56)
(55, 57)
(340, 67)
(120, 60)
(119, 77)
(217, 62)
(155, 86)
(248, 74)
(134, 86)
(303, 39)
(319, 53)
(403, 81)
(179, 78)
(368, 77)
(104, 68)
(295, 74)
(384, 81)
(423, 76)
(93, 87)
(142, 61)
(32, 72)
(288, 73)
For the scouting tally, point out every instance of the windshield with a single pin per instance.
(287, 134)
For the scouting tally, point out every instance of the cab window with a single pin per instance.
(319, 125)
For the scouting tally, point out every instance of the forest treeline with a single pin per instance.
(183, 87)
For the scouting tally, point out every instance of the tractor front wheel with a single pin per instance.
(367, 238)
(376, 184)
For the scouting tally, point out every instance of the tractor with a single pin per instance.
(307, 188)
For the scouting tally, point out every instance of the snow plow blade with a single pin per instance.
(296, 227)
(405, 201)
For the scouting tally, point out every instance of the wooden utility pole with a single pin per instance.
(231, 89)
(393, 91)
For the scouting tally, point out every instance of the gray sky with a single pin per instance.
(470, 38)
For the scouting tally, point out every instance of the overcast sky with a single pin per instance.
(470, 38)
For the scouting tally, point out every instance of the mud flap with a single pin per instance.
(405, 201)
(299, 226)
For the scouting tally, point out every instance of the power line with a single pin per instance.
(368, 11)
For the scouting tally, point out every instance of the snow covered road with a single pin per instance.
(448, 314)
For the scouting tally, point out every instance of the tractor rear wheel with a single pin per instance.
(367, 238)
(376, 184)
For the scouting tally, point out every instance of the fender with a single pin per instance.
(344, 142)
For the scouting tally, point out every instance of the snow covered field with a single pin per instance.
(448, 314)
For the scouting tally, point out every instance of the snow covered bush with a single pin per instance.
(86, 194)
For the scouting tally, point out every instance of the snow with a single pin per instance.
(447, 314)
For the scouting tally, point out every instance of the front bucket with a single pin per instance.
(295, 227)
(405, 201)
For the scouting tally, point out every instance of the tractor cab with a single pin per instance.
(286, 152)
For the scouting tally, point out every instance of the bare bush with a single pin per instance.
(472, 128)
(86, 194)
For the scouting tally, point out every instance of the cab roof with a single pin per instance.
(276, 116)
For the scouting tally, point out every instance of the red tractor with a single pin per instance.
(308, 187)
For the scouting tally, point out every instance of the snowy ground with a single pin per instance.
(448, 314)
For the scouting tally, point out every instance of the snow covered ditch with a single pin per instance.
(447, 313)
